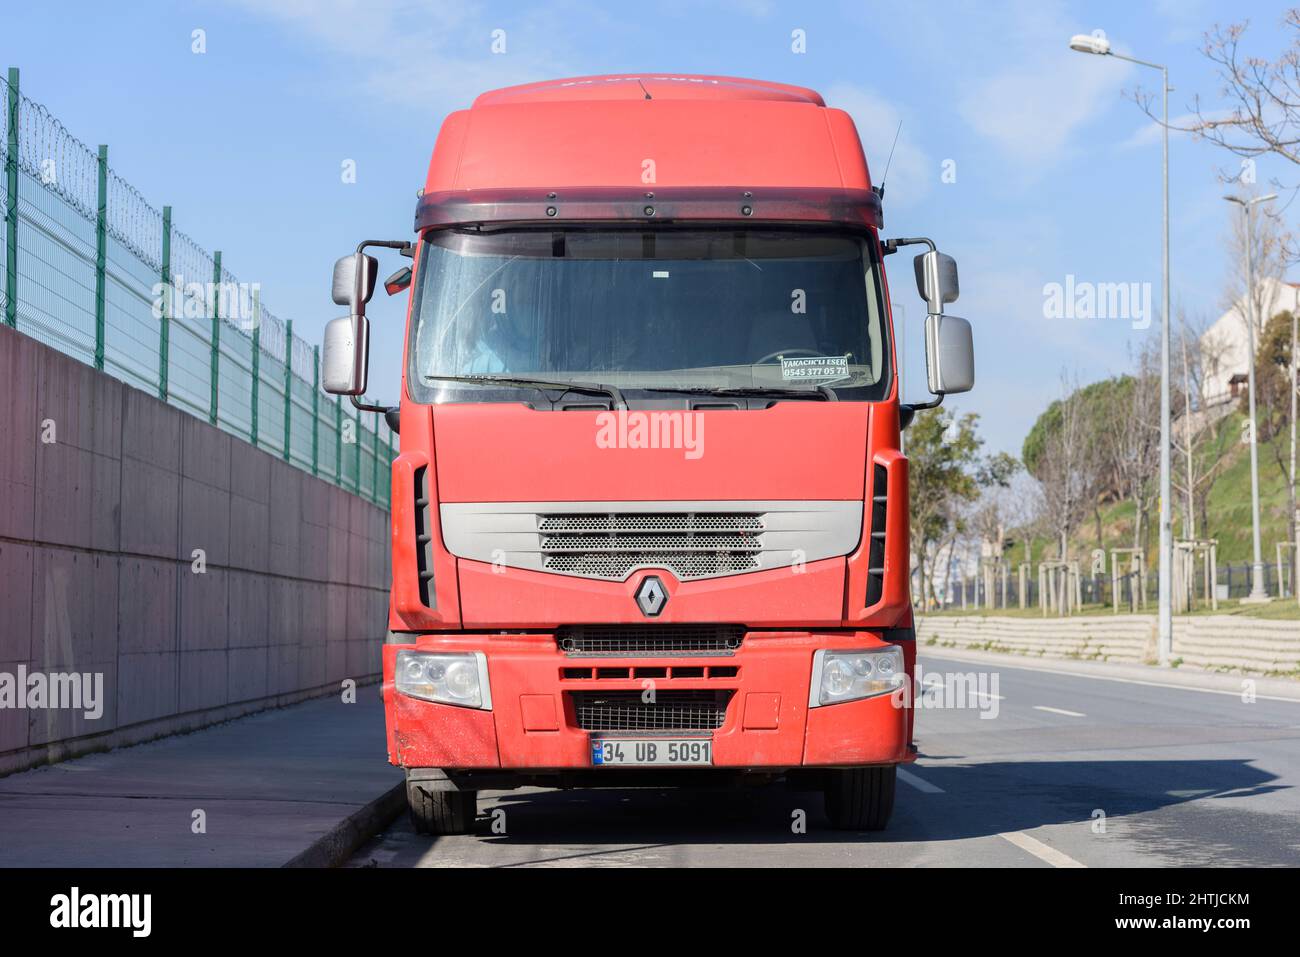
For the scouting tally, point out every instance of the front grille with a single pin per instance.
(689, 544)
(688, 522)
(876, 552)
(649, 641)
(675, 542)
(669, 711)
(423, 537)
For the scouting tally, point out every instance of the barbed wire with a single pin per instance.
(58, 160)
(133, 222)
(68, 168)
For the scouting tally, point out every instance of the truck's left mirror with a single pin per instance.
(936, 279)
(949, 354)
(354, 281)
(346, 355)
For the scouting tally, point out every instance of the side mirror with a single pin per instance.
(354, 281)
(949, 353)
(345, 357)
(398, 281)
(936, 280)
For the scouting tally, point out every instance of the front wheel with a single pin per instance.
(441, 812)
(860, 799)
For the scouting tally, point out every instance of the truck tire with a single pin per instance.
(441, 812)
(860, 799)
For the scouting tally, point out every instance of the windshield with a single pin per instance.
(646, 309)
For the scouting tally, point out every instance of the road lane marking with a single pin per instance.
(1068, 714)
(1017, 666)
(1043, 852)
(907, 777)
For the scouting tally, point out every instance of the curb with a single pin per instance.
(334, 847)
(1277, 688)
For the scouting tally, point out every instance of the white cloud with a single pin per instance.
(1023, 89)
(1149, 133)
(912, 171)
(1186, 19)
(1030, 111)
(422, 55)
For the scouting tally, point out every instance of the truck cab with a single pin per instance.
(649, 515)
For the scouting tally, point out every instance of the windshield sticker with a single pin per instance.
(815, 367)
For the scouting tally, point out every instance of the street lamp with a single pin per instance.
(1257, 590)
(1098, 44)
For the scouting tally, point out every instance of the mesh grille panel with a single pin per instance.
(650, 641)
(670, 711)
(689, 544)
(656, 522)
(616, 566)
(616, 542)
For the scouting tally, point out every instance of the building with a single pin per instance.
(1225, 351)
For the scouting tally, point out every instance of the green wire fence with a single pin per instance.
(91, 269)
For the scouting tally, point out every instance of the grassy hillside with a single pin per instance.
(1229, 507)
(1229, 503)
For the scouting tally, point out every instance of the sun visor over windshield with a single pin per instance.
(847, 207)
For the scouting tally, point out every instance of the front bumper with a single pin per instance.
(534, 725)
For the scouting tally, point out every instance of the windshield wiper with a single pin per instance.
(594, 388)
(821, 391)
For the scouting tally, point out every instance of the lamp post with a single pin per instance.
(1100, 46)
(1257, 590)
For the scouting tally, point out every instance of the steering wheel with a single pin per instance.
(786, 352)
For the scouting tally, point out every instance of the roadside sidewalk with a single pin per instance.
(297, 785)
(1192, 679)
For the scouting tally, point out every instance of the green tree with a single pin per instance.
(947, 473)
(1273, 401)
(1273, 378)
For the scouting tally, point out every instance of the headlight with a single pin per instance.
(851, 675)
(459, 679)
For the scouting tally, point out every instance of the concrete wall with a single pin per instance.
(1216, 642)
(97, 535)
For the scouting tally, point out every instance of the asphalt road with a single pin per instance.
(1069, 771)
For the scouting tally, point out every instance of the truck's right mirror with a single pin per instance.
(949, 354)
(354, 281)
(345, 356)
(936, 279)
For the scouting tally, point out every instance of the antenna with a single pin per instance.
(880, 190)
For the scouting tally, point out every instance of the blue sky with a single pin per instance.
(1057, 173)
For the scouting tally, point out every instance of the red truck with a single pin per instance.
(650, 513)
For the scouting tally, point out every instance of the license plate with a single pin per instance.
(651, 751)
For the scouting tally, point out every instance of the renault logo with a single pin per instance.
(651, 596)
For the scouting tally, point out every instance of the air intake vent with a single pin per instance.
(876, 552)
(423, 536)
(689, 544)
(649, 641)
(670, 710)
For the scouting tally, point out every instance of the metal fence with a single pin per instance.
(1234, 582)
(91, 269)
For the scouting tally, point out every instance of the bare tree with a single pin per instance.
(1064, 471)
(1262, 112)
(1264, 247)
(1132, 441)
(1260, 115)
(1201, 447)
